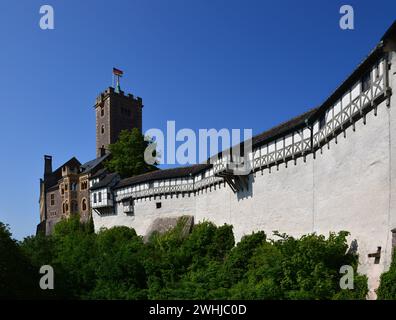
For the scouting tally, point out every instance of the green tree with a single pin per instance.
(179, 264)
(127, 154)
(74, 256)
(304, 268)
(18, 278)
(119, 269)
(387, 288)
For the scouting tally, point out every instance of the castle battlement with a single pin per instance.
(111, 91)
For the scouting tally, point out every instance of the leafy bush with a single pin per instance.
(18, 279)
(387, 288)
(202, 264)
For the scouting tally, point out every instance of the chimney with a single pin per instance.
(47, 165)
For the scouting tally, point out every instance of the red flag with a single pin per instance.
(117, 72)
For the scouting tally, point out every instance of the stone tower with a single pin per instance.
(115, 112)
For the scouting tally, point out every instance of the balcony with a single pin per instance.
(102, 204)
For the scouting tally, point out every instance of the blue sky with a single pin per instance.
(203, 63)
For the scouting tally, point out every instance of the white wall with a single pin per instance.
(350, 185)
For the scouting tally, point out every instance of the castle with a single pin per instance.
(65, 191)
(332, 168)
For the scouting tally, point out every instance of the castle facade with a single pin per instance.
(65, 191)
(332, 168)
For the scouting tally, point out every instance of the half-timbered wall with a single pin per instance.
(336, 174)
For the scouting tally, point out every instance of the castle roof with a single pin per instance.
(93, 164)
(163, 174)
(109, 180)
(51, 180)
(197, 168)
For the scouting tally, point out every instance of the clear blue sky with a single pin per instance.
(204, 63)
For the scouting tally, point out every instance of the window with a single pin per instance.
(108, 196)
(65, 207)
(52, 199)
(95, 200)
(62, 191)
(102, 130)
(100, 196)
(73, 186)
(84, 204)
(158, 205)
(102, 151)
(66, 186)
(84, 185)
(366, 82)
(102, 112)
(126, 112)
(393, 238)
(322, 121)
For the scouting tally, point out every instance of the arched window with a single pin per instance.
(65, 207)
(103, 129)
(102, 151)
(84, 204)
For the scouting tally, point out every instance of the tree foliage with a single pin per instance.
(202, 264)
(127, 154)
(18, 279)
(387, 288)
